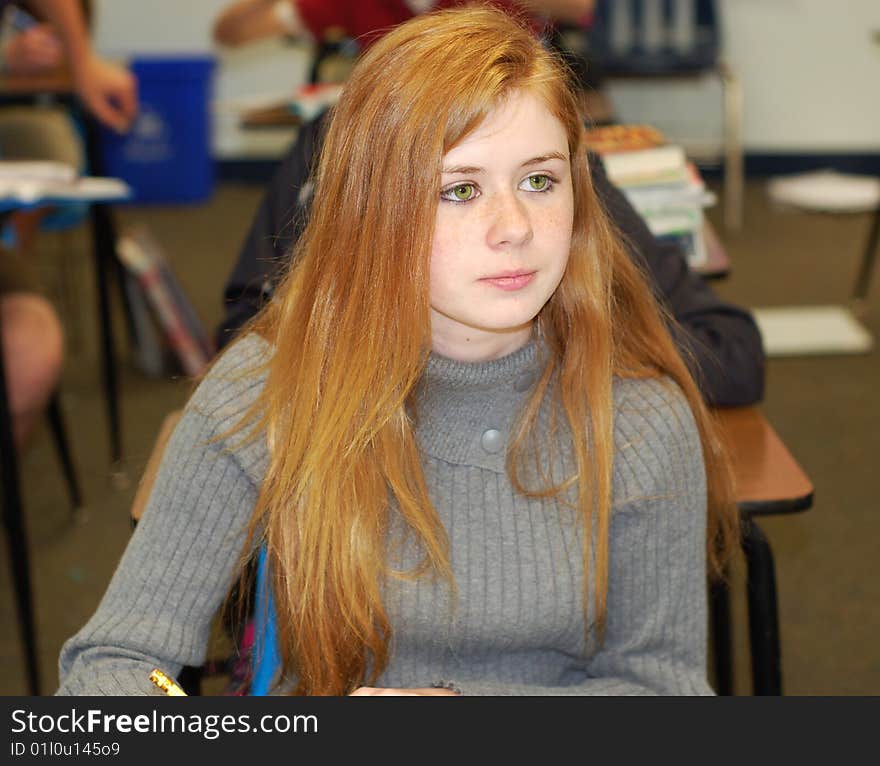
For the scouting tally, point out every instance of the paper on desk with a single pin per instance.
(36, 170)
(87, 188)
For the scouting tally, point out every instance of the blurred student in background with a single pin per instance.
(246, 21)
(32, 338)
(108, 91)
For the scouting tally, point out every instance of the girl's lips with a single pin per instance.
(511, 281)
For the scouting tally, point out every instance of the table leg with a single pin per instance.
(59, 437)
(104, 245)
(16, 536)
(763, 611)
(866, 267)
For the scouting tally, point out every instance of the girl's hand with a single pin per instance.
(372, 691)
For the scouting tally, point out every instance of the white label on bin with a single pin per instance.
(150, 138)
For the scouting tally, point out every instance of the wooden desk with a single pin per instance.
(769, 481)
(58, 83)
(275, 116)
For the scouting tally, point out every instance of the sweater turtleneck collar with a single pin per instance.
(465, 410)
(446, 372)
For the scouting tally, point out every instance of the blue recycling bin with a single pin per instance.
(166, 156)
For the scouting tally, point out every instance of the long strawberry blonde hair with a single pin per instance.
(350, 331)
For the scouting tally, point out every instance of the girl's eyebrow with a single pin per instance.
(545, 158)
(474, 169)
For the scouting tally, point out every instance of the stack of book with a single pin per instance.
(659, 182)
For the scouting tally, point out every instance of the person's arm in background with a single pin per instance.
(108, 91)
(246, 21)
(722, 342)
(571, 11)
(31, 51)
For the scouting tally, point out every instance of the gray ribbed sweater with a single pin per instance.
(518, 627)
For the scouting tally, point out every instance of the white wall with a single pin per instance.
(257, 73)
(810, 71)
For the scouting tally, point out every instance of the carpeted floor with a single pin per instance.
(823, 407)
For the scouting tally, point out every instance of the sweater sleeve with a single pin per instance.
(182, 557)
(656, 630)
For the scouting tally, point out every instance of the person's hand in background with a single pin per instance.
(33, 50)
(108, 91)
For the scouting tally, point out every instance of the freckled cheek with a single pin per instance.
(557, 223)
(448, 263)
(453, 241)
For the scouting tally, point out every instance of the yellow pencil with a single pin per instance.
(166, 684)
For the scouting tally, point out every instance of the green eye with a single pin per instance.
(538, 182)
(462, 192)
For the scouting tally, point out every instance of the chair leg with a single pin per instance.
(105, 271)
(59, 436)
(190, 678)
(16, 537)
(722, 652)
(733, 152)
(872, 244)
(763, 612)
(69, 294)
(105, 261)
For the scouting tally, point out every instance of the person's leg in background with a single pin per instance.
(33, 340)
(32, 344)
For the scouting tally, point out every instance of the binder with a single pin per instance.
(142, 256)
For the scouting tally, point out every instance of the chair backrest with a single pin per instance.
(655, 37)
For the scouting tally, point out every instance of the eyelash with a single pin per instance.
(551, 184)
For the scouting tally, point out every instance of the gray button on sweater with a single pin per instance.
(518, 624)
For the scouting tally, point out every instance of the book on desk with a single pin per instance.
(658, 180)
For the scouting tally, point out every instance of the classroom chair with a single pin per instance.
(834, 193)
(830, 328)
(13, 519)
